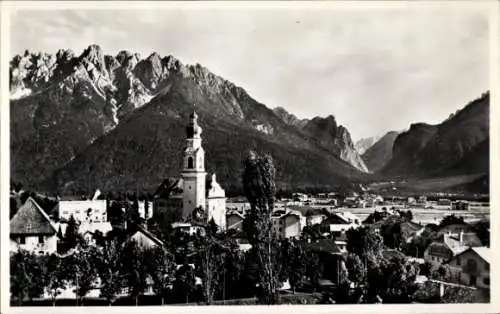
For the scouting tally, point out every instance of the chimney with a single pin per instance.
(461, 237)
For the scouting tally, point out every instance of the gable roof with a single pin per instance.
(149, 235)
(483, 252)
(292, 213)
(31, 219)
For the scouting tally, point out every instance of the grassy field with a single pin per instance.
(432, 184)
(425, 216)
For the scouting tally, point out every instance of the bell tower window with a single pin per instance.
(190, 163)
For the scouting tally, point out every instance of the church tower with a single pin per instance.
(193, 170)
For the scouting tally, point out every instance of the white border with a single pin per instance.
(9, 6)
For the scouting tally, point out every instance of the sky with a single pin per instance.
(375, 68)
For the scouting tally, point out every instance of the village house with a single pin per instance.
(339, 223)
(92, 210)
(31, 229)
(292, 223)
(146, 239)
(234, 220)
(449, 245)
(472, 267)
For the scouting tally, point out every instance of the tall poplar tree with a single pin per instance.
(260, 190)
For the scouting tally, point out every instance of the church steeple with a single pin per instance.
(193, 172)
(193, 129)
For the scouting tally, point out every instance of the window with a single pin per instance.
(22, 240)
(190, 163)
(458, 261)
(487, 266)
(41, 240)
(486, 281)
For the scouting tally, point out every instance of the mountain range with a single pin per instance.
(364, 144)
(458, 145)
(377, 155)
(117, 123)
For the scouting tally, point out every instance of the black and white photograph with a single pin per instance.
(173, 154)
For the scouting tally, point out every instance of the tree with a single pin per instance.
(160, 267)
(312, 232)
(135, 274)
(391, 234)
(356, 269)
(185, 282)
(419, 243)
(297, 260)
(258, 183)
(398, 281)
(25, 276)
(364, 242)
(71, 236)
(482, 229)
(109, 270)
(313, 270)
(13, 207)
(82, 268)
(451, 220)
(54, 277)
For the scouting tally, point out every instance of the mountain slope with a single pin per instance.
(432, 150)
(289, 118)
(117, 122)
(380, 153)
(364, 144)
(335, 138)
(148, 145)
(326, 133)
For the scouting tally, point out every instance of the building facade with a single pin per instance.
(31, 229)
(83, 210)
(472, 267)
(193, 171)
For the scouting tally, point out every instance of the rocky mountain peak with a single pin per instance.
(94, 55)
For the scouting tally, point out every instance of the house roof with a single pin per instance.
(149, 235)
(292, 213)
(31, 219)
(468, 240)
(236, 213)
(455, 227)
(484, 252)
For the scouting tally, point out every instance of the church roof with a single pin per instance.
(31, 219)
(215, 189)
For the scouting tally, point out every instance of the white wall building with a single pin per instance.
(216, 203)
(31, 229)
(83, 210)
(146, 213)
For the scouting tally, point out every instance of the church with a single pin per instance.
(191, 190)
